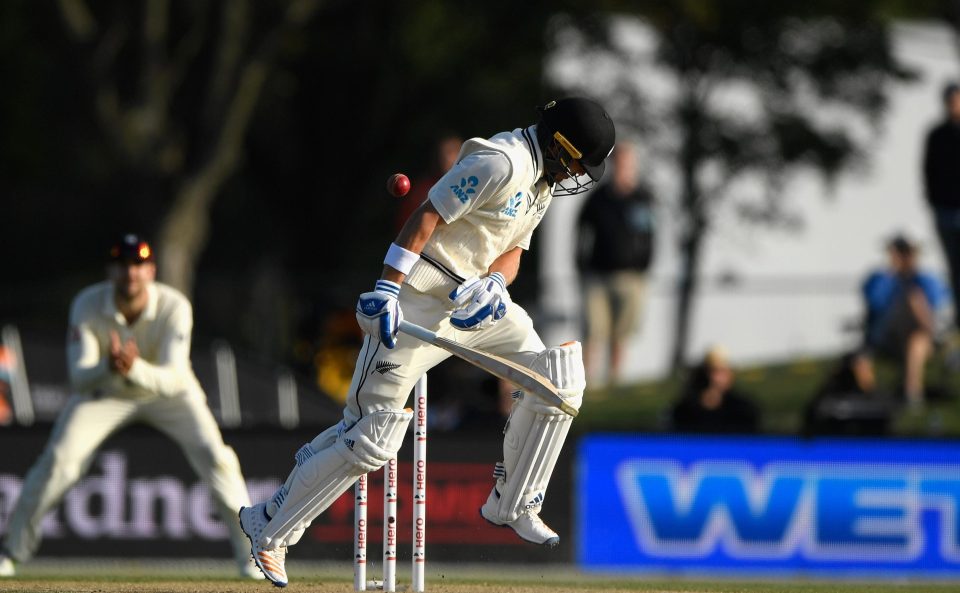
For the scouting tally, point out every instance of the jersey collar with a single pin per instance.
(529, 136)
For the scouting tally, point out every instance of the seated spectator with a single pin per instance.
(849, 402)
(710, 404)
(903, 303)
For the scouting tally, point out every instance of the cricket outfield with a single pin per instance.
(50, 575)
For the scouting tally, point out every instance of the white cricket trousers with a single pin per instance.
(87, 422)
(383, 378)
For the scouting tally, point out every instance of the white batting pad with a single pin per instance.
(563, 365)
(322, 441)
(322, 476)
(536, 432)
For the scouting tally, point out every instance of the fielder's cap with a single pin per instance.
(131, 248)
(584, 129)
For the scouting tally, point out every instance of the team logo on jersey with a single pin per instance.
(466, 188)
(541, 210)
(383, 367)
(512, 205)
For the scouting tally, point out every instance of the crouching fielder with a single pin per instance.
(448, 271)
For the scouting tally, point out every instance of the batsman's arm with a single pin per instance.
(414, 235)
(171, 373)
(508, 264)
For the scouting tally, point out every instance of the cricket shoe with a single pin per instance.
(529, 526)
(253, 520)
(7, 568)
(248, 569)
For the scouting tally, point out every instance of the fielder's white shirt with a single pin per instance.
(491, 200)
(162, 333)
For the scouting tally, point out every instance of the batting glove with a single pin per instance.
(479, 302)
(379, 314)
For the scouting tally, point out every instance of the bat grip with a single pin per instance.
(421, 333)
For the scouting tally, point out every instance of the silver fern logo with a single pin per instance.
(383, 367)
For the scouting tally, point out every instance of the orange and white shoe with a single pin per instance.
(253, 520)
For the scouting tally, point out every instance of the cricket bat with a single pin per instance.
(530, 381)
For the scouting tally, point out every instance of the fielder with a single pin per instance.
(128, 357)
(448, 271)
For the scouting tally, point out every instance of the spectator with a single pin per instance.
(849, 402)
(7, 364)
(614, 251)
(942, 179)
(710, 404)
(902, 305)
(6, 412)
(447, 151)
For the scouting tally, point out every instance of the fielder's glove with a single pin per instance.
(378, 312)
(479, 302)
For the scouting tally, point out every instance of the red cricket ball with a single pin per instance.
(398, 185)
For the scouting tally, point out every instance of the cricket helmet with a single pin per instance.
(583, 131)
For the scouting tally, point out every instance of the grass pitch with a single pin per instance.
(143, 576)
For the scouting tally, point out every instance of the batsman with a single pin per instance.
(448, 271)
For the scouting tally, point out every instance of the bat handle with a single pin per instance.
(421, 333)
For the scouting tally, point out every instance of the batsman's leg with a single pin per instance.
(532, 442)
(320, 477)
(369, 436)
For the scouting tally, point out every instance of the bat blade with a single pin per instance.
(525, 378)
(505, 369)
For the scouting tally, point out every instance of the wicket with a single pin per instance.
(419, 558)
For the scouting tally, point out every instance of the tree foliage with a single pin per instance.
(760, 90)
(250, 139)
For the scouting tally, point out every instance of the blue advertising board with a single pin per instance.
(762, 505)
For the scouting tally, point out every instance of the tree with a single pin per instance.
(343, 101)
(175, 102)
(950, 12)
(761, 90)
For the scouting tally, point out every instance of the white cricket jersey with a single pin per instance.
(162, 333)
(491, 200)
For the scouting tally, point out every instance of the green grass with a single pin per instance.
(209, 576)
(781, 391)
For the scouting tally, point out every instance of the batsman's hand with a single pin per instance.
(378, 312)
(122, 355)
(479, 302)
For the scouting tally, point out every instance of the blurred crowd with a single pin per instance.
(908, 321)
